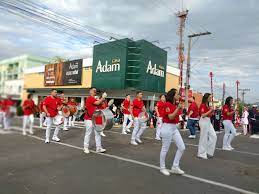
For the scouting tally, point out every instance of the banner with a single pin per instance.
(63, 74)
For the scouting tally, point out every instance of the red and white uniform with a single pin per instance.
(195, 111)
(28, 117)
(137, 106)
(126, 116)
(7, 104)
(170, 132)
(71, 119)
(230, 130)
(208, 137)
(161, 110)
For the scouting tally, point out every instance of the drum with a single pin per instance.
(73, 110)
(143, 117)
(58, 119)
(65, 111)
(102, 120)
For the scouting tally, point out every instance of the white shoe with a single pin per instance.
(47, 141)
(158, 138)
(31, 132)
(192, 136)
(24, 132)
(86, 151)
(102, 134)
(65, 129)
(226, 148)
(55, 139)
(177, 170)
(124, 133)
(100, 150)
(165, 172)
(133, 142)
(139, 141)
(128, 130)
(230, 147)
(203, 157)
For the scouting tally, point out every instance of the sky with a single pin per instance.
(231, 52)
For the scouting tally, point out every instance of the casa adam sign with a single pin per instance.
(153, 70)
(105, 68)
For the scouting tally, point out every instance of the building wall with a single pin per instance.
(172, 81)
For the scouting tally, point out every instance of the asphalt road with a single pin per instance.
(27, 165)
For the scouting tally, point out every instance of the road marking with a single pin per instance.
(152, 166)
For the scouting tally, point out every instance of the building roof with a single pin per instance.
(24, 57)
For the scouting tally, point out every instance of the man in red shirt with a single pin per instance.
(126, 109)
(139, 127)
(91, 104)
(71, 119)
(9, 111)
(28, 117)
(160, 111)
(51, 106)
(193, 117)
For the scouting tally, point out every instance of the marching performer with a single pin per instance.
(8, 112)
(170, 132)
(28, 117)
(102, 106)
(160, 110)
(208, 137)
(62, 102)
(51, 106)
(71, 119)
(139, 127)
(42, 114)
(230, 130)
(91, 104)
(127, 112)
(193, 118)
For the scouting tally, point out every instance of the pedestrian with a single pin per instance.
(170, 132)
(91, 104)
(208, 137)
(245, 120)
(160, 110)
(51, 106)
(193, 117)
(127, 115)
(139, 126)
(230, 130)
(28, 117)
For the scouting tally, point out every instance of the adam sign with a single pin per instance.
(154, 71)
(115, 66)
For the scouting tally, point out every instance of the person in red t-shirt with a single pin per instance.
(230, 130)
(139, 127)
(170, 132)
(71, 119)
(1, 111)
(160, 111)
(28, 106)
(127, 112)
(9, 111)
(51, 106)
(208, 137)
(91, 104)
(62, 100)
(193, 117)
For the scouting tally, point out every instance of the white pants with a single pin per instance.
(88, 132)
(169, 132)
(139, 128)
(7, 122)
(42, 118)
(65, 122)
(245, 129)
(159, 123)
(126, 118)
(28, 119)
(71, 121)
(49, 121)
(208, 138)
(230, 133)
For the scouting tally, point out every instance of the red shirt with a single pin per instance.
(195, 110)
(226, 109)
(126, 104)
(137, 106)
(169, 109)
(7, 103)
(41, 106)
(204, 109)
(161, 108)
(52, 105)
(90, 107)
(28, 107)
(103, 105)
(72, 103)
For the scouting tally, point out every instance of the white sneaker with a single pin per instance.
(100, 150)
(102, 134)
(139, 141)
(177, 170)
(65, 129)
(133, 142)
(55, 139)
(165, 172)
(86, 150)
(124, 133)
(47, 141)
(230, 147)
(158, 138)
(226, 148)
(24, 132)
(203, 157)
(31, 132)
(128, 130)
(192, 136)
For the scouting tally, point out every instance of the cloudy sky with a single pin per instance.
(231, 52)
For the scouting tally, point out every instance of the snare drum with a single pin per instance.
(102, 120)
(65, 111)
(58, 119)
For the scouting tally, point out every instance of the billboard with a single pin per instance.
(64, 73)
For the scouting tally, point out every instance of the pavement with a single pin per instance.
(28, 166)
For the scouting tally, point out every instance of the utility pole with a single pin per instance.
(211, 86)
(243, 93)
(182, 15)
(224, 93)
(188, 71)
(237, 85)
